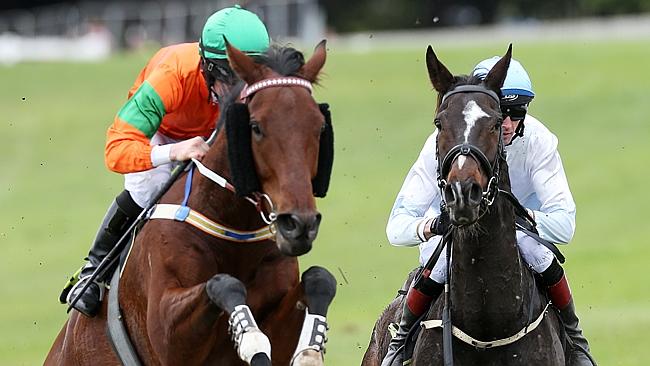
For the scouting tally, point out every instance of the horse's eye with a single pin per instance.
(498, 124)
(255, 127)
(437, 123)
(322, 127)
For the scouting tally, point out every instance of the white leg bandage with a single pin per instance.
(312, 336)
(249, 339)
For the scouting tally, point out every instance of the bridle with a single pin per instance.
(260, 200)
(492, 169)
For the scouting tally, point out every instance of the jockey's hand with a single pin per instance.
(440, 225)
(195, 148)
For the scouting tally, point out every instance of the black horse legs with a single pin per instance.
(319, 289)
(229, 294)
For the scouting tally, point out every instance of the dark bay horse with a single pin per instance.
(494, 299)
(189, 295)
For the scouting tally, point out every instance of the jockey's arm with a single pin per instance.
(415, 207)
(556, 215)
(128, 146)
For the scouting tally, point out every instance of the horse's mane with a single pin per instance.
(284, 60)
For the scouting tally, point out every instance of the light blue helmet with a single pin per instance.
(517, 81)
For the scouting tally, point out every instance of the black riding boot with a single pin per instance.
(424, 292)
(580, 355)
(559, 291)
(395, 355)
(118, 219)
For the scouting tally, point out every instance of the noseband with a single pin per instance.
(490, 168)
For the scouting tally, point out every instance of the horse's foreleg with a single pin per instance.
(319, 288)
(229, 294)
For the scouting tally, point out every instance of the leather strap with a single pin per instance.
(430, 324)
(117, 333)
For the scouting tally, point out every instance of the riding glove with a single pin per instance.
(440, 225)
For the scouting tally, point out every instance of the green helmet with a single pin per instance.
(242, 28)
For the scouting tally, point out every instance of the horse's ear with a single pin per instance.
(440, 77)
(497, 75)
(311, 68)
(243, 65)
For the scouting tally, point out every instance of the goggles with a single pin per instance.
(221, 71)
(515, 112)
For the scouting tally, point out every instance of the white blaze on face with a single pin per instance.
(472, 113)
(461, 161)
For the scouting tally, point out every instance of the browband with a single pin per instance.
(273, 82)
(471, 89)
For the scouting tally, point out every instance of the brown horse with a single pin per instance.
(188, 296)
(493, 296)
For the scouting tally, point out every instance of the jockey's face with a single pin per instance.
(221, 89)
(509, 128)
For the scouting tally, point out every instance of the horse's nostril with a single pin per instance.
(316, 222)
(293, 226)
(475, 193)
(450, 196)
(289, 225)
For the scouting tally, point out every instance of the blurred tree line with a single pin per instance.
(358, 15)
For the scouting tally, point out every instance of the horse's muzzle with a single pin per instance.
(296, 232)
(463, 200)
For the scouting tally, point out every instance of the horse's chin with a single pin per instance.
(466, 216)
(293, 248)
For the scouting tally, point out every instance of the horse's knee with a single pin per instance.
(320, 287)
(226, 292)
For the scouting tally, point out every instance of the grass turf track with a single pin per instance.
(54, 188)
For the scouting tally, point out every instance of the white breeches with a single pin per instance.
(537, 256)
(143, 186)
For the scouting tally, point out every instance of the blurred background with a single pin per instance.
(66, 67)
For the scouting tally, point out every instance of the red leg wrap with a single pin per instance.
(560, 293)
(417, 302)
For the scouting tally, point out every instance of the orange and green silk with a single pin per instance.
(170, 97)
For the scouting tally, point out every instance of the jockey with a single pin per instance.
(539, 183)
(171, 108)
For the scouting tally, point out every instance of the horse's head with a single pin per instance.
(469, 142)
(290, 140)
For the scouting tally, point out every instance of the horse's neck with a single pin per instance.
(220, 204)
(490, 285)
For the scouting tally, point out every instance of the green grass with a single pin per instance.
(54, 187)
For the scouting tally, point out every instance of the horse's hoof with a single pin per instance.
(308, 357)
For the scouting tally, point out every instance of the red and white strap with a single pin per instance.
(274, 82)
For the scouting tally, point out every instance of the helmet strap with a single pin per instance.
(519, 131)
